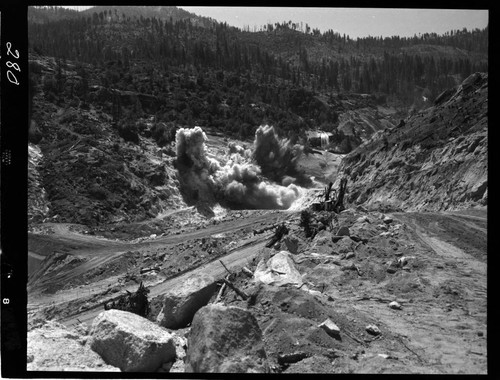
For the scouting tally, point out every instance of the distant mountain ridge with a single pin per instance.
(325, 61)
(150, 11)
(46, 14)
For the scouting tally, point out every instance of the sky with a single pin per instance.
(355, 22)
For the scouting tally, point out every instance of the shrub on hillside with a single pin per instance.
(163, 133)
(129, 132)
(49, 84)
(97, 192)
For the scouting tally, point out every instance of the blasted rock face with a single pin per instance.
(182, 302)
(131, 342)
(225, 339)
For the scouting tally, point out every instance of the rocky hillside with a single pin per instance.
(435, 160)
(84, 168)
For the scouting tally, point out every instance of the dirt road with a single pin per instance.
(236, 259)
(444, 327)
(86, 245)
(96, 252)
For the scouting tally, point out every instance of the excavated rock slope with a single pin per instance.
(437, 160)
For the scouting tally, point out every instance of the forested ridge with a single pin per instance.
(286, 74)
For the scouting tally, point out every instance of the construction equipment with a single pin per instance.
(332, 199)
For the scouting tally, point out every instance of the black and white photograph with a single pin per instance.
(270, 190)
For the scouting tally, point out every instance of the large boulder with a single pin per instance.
(330, 327)
(182, 302)
(225, 339)
(55, 347)
(131, 342)
(279, 270)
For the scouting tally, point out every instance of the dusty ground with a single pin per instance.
(441, 327)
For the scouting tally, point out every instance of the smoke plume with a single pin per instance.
(238, 181)
(190, 145)
(276, 157)
(243, 185)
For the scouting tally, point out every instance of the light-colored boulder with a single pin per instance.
(402, 261)
(279, 270)
(373, 330)
(131, 342)
(330, 327)
(395, 305)
(387, 220)
(181, 303)
(226, 340)
(55, 347)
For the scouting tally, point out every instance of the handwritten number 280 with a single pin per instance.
(10, 75)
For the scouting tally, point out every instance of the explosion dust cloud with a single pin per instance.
(276, 157)
(239, 181)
